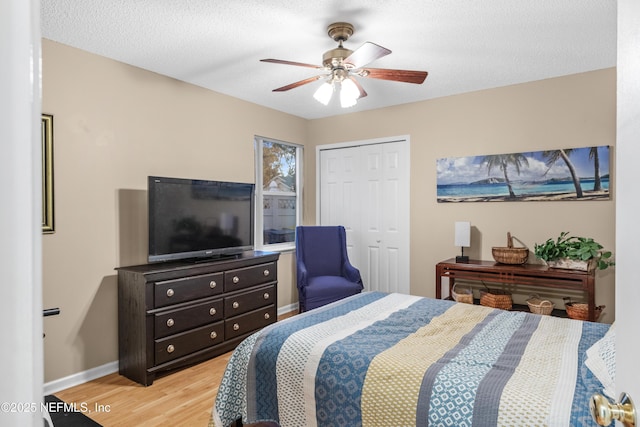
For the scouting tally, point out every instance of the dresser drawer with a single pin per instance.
(178, 345)
(249, 322)
(188, 288)
(250, 300)
(174, 321)
(249, 276)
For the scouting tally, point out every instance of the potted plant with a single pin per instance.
(577, 253)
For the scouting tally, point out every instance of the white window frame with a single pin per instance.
(259, 195)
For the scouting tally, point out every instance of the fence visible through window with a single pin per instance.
(279, 219)
(279, 192)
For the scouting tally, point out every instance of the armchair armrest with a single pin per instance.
(301, 271)
(351, 273)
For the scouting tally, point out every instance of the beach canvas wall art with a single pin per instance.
(563, 174)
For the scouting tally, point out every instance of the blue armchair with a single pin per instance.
(324, 273)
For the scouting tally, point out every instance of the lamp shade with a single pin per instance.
(349, 93)
(463, 234)
(324, 93)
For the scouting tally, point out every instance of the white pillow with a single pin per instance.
(601, 361)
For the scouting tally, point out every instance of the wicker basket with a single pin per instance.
(510, 255)
(580, 311)
(496, 298)
(464, 295)
(540, 306)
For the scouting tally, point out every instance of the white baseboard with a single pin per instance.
(287, 309)
(111, 367)
(80, 378)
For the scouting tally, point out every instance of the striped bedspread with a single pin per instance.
(379, 359)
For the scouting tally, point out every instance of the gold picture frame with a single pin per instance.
(47, 174)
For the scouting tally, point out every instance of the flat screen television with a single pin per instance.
(191, 218)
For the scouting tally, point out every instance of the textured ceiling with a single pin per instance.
(465, 45)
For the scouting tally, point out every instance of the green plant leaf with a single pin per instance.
(577, 248)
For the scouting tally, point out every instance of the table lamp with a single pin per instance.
(463, 238)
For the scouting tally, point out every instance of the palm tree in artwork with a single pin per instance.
(502, 161)
(597, 182)
(553, 156)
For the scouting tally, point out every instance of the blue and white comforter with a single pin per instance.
(378, 359)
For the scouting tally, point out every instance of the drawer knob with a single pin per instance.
(266, 272)
(212, 284)
(212, 311)
(170, 292)
(170, 348)
(266, 316)
(236, 304)
(236, 326)
(236, 279)
(266, 295)
(214, 335)
(170, 322)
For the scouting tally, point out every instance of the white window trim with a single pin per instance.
(259, 194)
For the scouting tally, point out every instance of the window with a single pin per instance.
(278, 193)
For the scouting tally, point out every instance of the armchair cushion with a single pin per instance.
(322, 290)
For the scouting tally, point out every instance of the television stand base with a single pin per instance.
(218, 257)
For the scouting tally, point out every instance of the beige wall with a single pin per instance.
(573, 111)
(115, 124)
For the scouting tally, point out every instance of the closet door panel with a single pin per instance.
(366, 189)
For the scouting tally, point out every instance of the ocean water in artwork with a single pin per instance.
(520, 188)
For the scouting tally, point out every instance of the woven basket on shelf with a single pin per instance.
(579, 310)
(539, 306)
(510, 255)
(496, 298)
(464, 295)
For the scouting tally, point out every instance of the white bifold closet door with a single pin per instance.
(365, 188)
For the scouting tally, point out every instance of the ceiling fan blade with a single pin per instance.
(363, 93)
(298, 64)
(298, 84)
(365, 54)
(406, 76)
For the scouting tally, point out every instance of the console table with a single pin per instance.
(525, 274)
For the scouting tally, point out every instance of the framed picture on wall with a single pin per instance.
(551, 175)
(47, 173)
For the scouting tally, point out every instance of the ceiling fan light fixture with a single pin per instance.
(346, 102)
(349, 93)
(340, 65)
(323, 93)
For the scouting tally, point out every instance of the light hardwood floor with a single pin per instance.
(184, 398)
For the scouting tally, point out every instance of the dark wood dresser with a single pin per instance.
(172, 315)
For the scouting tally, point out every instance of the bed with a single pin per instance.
(377, 359)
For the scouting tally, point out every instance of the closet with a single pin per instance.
(364, 186)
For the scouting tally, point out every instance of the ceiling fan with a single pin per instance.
(341, 65)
